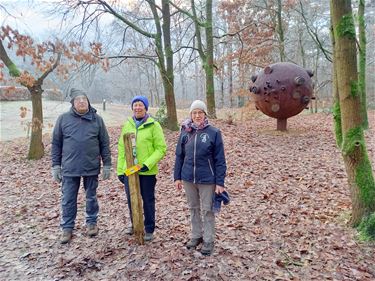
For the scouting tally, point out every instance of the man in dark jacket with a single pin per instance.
(80, 141)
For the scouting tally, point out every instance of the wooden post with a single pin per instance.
(134, 188)
(281, 125)
(104, 101)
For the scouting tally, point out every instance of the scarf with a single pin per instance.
(188, 125)
(139, 122)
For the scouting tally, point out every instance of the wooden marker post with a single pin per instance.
(134, 188)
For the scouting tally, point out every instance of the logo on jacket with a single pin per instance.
(204, 137)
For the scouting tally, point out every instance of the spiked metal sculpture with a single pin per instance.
(282, 90)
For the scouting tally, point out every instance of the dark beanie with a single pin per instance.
(75, 93)
(143, 99)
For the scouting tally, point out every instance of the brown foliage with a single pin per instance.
(23, 111)
(43, 55)
(254, 26)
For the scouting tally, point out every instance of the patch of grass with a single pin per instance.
(366, 228)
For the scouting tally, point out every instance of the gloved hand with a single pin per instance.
(56, 173)
(144, 168)
(217, 199)
(121, 178)
(106, 172)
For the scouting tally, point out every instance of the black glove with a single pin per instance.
(121, 178)
(144, 169)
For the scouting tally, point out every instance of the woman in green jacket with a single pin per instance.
(150, 149)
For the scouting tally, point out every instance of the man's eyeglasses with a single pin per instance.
(199, 113)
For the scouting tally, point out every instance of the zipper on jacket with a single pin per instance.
(135, 147)
(195, 150)
(209, 164)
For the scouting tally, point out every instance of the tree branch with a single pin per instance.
(13, 70)
(314, 35)
(110, 10)
(52, 68)
(195, 19)
(131, 57)
(233, 33)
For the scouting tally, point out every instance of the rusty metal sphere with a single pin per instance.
(282, 90)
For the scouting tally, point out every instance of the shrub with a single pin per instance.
(161, 115)
(367, 228)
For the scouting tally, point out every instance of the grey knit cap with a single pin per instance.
(198, 104)
(75, 93)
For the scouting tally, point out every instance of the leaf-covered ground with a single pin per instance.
(286, 221)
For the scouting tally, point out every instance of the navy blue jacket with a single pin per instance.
(200, 157)
(79, 143)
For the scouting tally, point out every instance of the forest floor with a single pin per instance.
(287, 219)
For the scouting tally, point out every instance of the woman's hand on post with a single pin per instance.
(219, 189)
(178, 184)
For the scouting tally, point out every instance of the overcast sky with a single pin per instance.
(35, 18)
(30, 16)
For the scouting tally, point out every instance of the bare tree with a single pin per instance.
(162, 55)
(205, 51)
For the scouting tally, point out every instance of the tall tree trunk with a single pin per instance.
(150, 84)
(362, 62)
(353, 147)
(209, 66)
(230, 76)
(156, 85)
(335, 92)
(36, 149)
(182, 77)
(207, 56)
(280, 31)
(197, 79)
(168, 79)
(165, 60)
(222, 88)
(316, 64)
(242, 82)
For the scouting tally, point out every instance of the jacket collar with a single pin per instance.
(89, 115)
(149, 120)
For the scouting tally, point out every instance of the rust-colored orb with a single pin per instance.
(282, 90)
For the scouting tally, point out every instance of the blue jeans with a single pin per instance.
(147, 185)
(70, 187)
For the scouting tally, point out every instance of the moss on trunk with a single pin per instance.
(354, 147)
(337, 118)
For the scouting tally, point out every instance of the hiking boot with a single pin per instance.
(193, 243)
(129, 230)
(148, 236)
(66, 236)
(92, 230)
(207, 248)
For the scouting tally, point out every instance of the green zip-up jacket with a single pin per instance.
(150, 145)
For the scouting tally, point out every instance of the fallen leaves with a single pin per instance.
(286, 220)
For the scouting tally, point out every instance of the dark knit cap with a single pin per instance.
(75, 93)
(143, 99)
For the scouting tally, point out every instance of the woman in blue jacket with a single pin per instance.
(200, 169)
